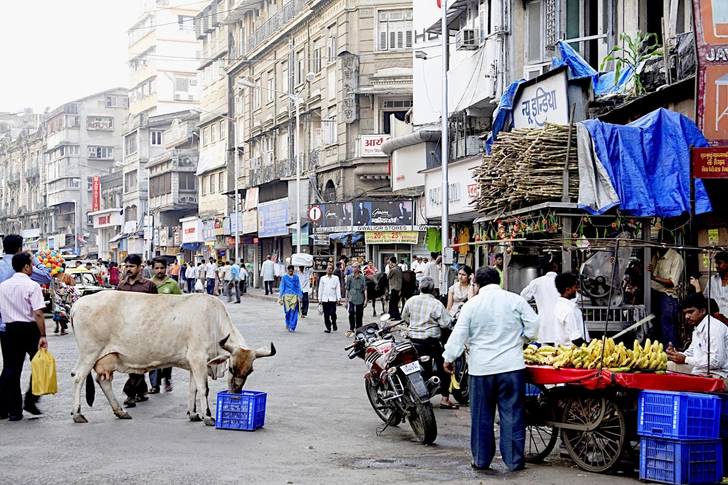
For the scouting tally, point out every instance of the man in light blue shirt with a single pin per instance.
(498, 323)
(12, 245)
(235, 282)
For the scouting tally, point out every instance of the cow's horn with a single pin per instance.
(225, 345)
(263, 352)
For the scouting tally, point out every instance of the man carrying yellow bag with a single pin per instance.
(21, 308)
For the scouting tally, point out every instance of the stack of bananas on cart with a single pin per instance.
(616, 357)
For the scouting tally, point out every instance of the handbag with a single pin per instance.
(43, 368)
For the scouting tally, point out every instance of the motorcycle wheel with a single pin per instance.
(421, 417)
(383, 410)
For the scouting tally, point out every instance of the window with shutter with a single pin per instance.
(395, 30)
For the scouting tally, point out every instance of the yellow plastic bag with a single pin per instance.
(43, 367)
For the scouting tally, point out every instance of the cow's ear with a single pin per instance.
(220, 359)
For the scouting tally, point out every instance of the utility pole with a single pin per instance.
(445, 194)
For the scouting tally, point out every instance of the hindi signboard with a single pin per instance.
(95, 194)
(710, 163)
(273, 218)
(371, 145)
(542, 100)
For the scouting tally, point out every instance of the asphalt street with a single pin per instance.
(319, 426)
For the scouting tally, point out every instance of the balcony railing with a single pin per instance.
(32, 172)
(276, 22)
(14, 178)
(314, 159)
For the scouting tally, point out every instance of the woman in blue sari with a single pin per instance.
(290, 296)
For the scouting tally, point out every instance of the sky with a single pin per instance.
(56, 51)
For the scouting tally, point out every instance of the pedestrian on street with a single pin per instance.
(666, 272)
(243, 278)
(211, 276)
(304, 275)
(227, 276)
(356, 297)
(426, 318)
(268, 272)
(135, 387)
(395, 287)
(191, 275)
(148, 272)
(201, 275)
(432, 270)
(234, 282)
(329, 294)
(165, 286)
(289, 295)
(113, 273)
(497, 323)
(21, 306)
(370, 269)
(174, 271)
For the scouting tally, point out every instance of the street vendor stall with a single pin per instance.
(596, 410)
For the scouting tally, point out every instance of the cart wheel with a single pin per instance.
(599, 449)
(540, 437)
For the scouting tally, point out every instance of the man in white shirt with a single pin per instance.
(268, 273)
(570, 329)
(304, 276)
(243, 278)
(329, 294)
(432, 270)
(498, 323)
(718, 285)
(191, 275)
(226, 272)
(210, 275)
(543, 290)
(695, 359)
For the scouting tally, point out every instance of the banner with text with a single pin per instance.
(391, 237)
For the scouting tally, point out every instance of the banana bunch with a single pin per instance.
(617, 357)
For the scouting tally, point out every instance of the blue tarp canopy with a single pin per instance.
(603, 82)
(648, 163)
(192, 246)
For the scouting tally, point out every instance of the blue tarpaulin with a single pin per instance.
(648, 162)
(603, 82)
(503, 116)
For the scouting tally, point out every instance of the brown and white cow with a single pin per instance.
(136, 333)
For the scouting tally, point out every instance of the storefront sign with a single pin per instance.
(251, 198)
(164, 236)
(710, 163)
(156, 236)
(304, 239)
(107, 219)
(350, 83)
(337, 216)
(272, 218)
(539, 102)
(175, 237)
(208, 230)
(95, 194)
(388, 237)
(461, 194)
(321, 239)
(382, 213)
(250, 221)
(371, 145)
(191, 230)
(711, 37)
(30, 233)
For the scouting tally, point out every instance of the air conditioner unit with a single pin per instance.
(190, 97)
(473, 145)
(177, 97)
(466, 40)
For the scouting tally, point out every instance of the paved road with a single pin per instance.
(319, 427)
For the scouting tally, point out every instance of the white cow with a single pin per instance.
(136, 332)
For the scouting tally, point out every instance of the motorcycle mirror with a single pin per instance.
(384, 317)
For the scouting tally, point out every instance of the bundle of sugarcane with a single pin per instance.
(525, 168)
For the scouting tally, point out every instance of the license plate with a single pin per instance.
(410, 368)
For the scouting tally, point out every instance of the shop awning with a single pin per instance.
(343, 236)
(117, 237)
(192, 246)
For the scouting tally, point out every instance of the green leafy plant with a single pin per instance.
(632, 55)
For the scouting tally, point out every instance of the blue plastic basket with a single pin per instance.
(678, 462)
(532, 390)
(244, 411)
(724, 416)
(679, 415)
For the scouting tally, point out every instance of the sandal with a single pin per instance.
(451, 406)
(154, 390)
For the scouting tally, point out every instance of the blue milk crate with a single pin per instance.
(681, 462)
(679, 415)
(244, 411)
(532, 390)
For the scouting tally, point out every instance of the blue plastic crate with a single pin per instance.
(724, 416)
(532, 390)
(679, 415)
(244, 411)
(679, 462)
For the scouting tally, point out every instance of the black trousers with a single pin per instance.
(20, 338)
(135, 385)
(304, 304)
(394, 304)
(433, 348)
(155, 376)
(329, 314)
(356, 316)
(268, 287)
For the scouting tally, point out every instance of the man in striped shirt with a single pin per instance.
(21, 306)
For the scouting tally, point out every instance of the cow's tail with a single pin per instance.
(90, 390)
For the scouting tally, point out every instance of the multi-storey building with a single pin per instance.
(83, 141)
(22, 195)
(163, 58)
(350, 65)
(14, 124)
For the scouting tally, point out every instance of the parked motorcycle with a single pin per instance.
(394, 383)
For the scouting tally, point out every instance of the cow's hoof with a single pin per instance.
(79, 418)
(209, 421)
(124, 415)
(195, 418)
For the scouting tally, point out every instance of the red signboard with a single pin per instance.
(711, 36)
(95, 194)
(710, 163)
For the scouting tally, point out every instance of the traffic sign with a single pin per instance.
(315, 213)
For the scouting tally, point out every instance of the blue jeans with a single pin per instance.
(210, 286)
(508, 391)
(665, 326)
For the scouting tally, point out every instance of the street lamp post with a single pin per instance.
(75, 221)
(445, 190)
(296, 98)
